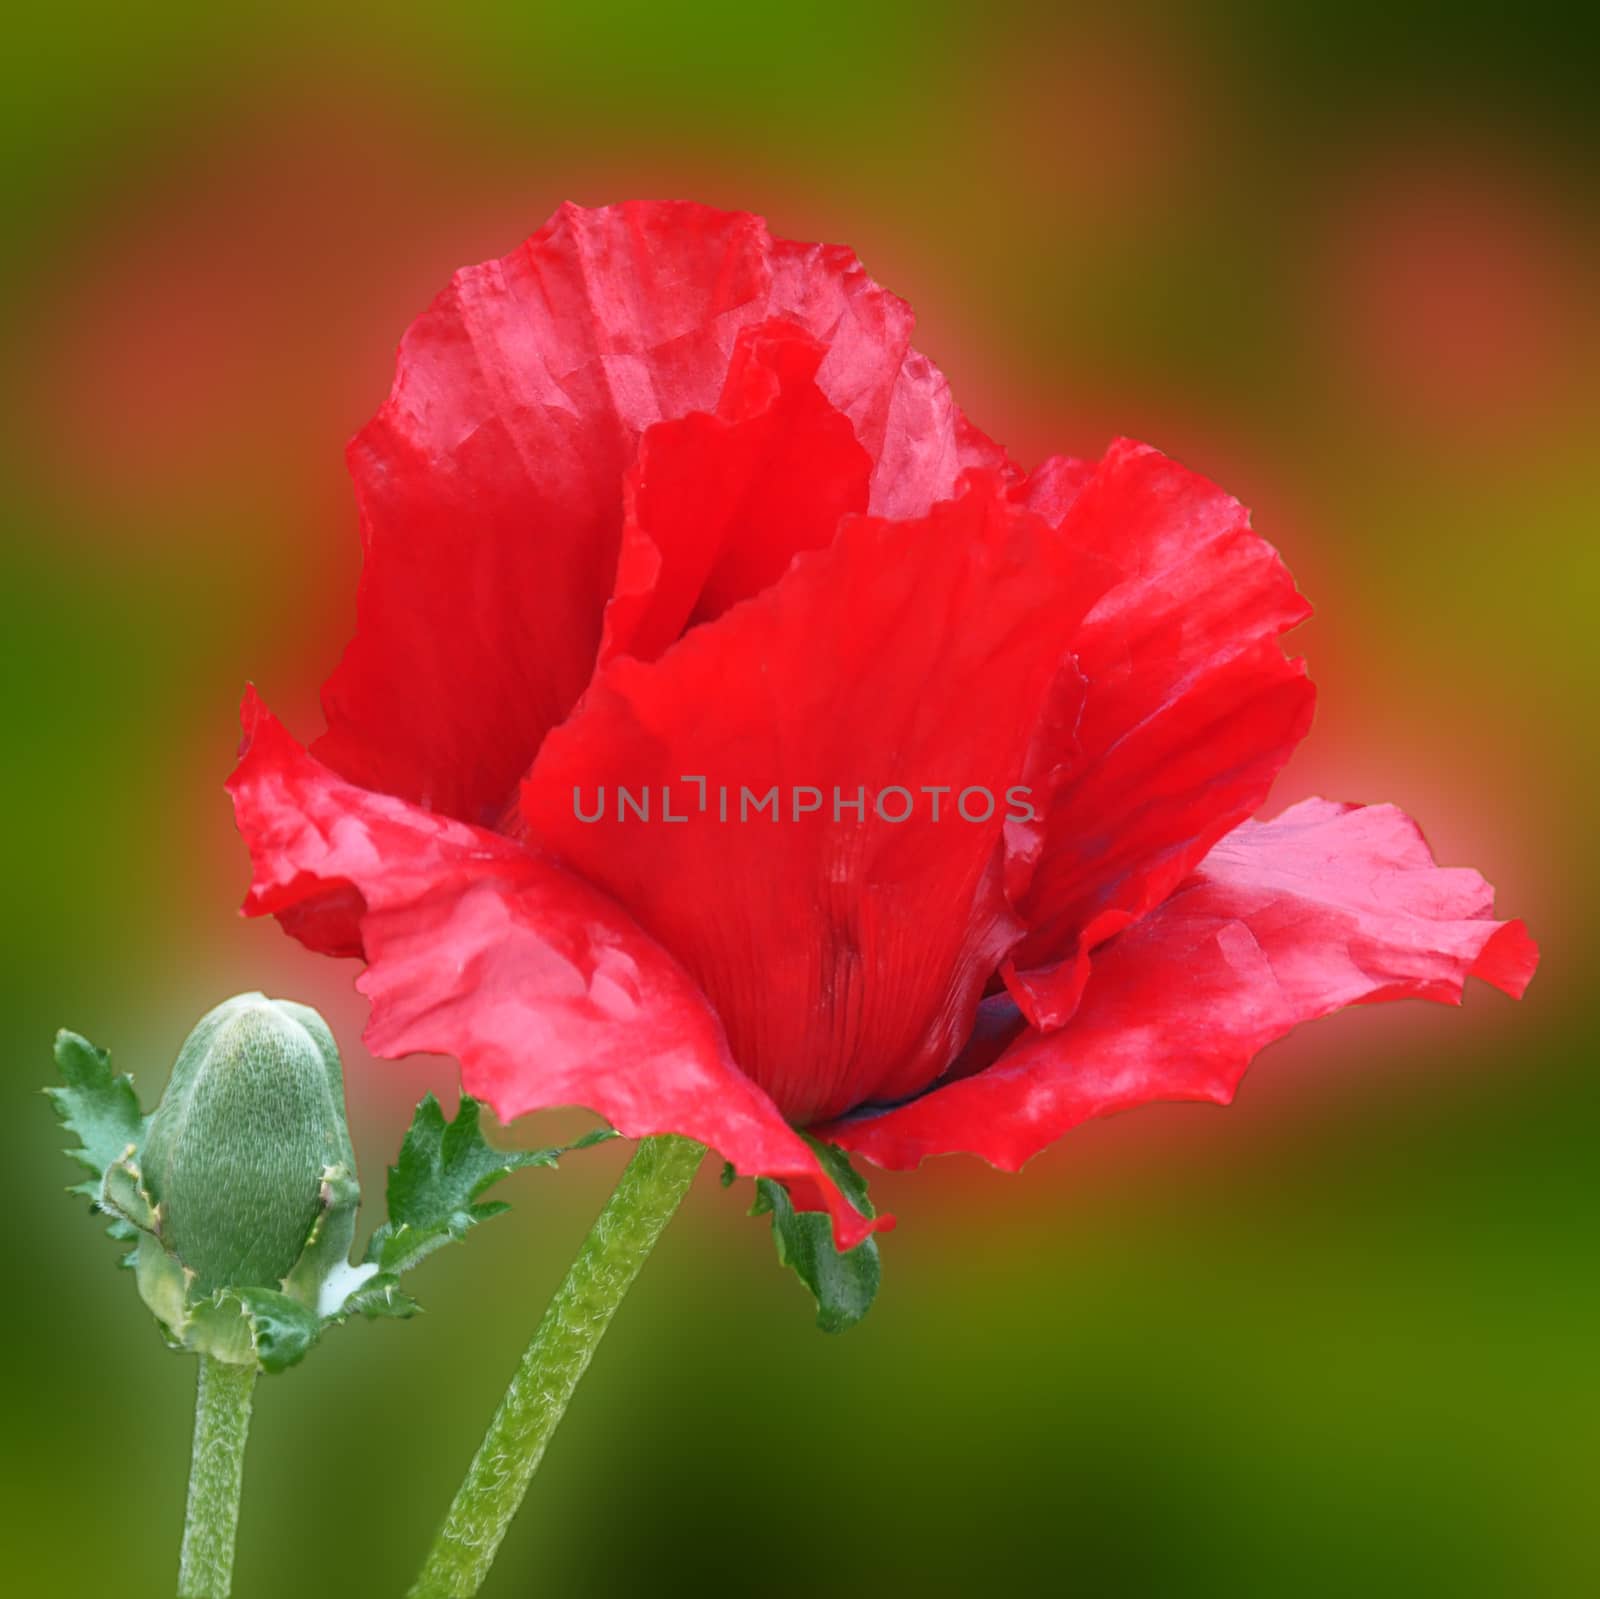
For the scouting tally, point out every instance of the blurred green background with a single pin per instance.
(1339, 1338)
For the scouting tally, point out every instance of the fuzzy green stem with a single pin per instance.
(216, 1474)
(651, 1189)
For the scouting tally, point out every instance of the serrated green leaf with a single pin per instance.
(101, 1109)
(445, 1165)
(97, 1105)
(843, 1284)
(434, 1187)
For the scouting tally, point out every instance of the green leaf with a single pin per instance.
(843, 1284)
(435, 1186)
(101, 1110)
(837, 1165)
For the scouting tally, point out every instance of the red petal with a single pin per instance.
(897, 399)
(539, 985)
(1050, 490)
(845, 957)
(1327, 905)
(1190, 708)
(490, 481)
(719, 505)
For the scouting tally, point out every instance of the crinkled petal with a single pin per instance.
(1327, 905)
(1050, 490)
(844, 953)
(490, 482)
(718, 505)
(1190, 707)
(897, 399)
(1050, 761)
(544, 989)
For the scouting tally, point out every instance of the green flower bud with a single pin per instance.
(244, 1187)
(252, 1118)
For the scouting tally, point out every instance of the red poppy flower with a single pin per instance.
(733, 741)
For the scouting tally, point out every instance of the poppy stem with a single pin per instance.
(651, 1189)
(216, 1475)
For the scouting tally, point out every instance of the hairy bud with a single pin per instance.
(244, 1188)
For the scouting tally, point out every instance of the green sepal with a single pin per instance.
(282, 1329)
(252, 1326)
(435, 1186)
(323, 1278)
(217, 1325)
(164, 1285)
(240, 1325)
(843, 1284)
(101, 1109)
(124, 1196)
(381, 1296)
